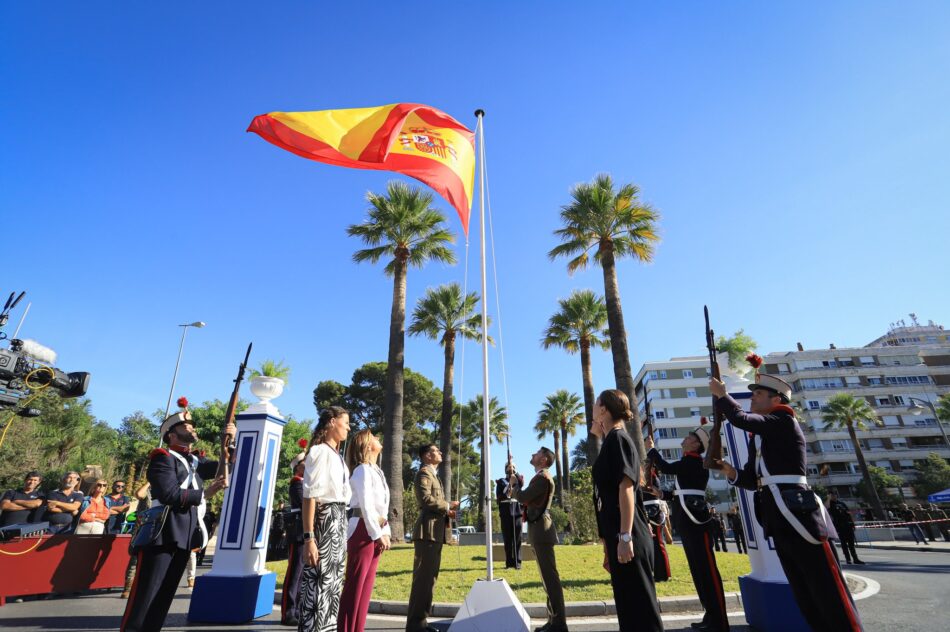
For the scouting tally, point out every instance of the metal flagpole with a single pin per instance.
(486, 437)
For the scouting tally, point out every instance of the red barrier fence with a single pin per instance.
(62, 564)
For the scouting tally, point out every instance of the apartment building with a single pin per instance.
(906, 362)
(678, 392)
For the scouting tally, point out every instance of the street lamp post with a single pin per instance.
(917, 409)
(184, 329)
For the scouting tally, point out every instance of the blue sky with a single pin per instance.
(797, 154)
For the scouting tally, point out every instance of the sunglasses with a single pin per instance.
(101, 485)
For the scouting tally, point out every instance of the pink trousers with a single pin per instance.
(362, 558)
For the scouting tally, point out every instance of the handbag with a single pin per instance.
(148, 527)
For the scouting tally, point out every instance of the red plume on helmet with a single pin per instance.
(703, 421)
(182, 402)
(303, 442)
(754, 360)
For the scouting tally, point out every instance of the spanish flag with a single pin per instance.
(415, 140)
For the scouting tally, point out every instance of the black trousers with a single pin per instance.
(511, 534)
(661, 560)
(740, 541)
(819, 588)
(159, 572)
(846, 536)
(634, 591)
(698, 546)
(289, 600)
(719, 539)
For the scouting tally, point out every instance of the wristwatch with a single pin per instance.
(625, 537)
(308, 535)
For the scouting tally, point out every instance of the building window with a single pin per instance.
(694, 412)
(691, 392)
(874, 381)
(666, 393)
(662, 375)
(899, 400)
(867, 361)
(813, 470)
(891, 420)
(660, 414)
(782, 369)
(908, 379)
(652, 375)
(813, 405)
(708, 372)
(687, 373)
(882, 401)
(925, 422)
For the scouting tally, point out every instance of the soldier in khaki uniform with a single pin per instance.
(542, 536)
(430, 532)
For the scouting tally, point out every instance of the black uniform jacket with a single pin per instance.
(295, 523)
(690, 474)
(841, 516)
(166, 474)
(783, 451)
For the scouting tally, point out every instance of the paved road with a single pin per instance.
(915, 587)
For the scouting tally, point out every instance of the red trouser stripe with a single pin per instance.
(842, 589)
(135, 584)
(714, 573)
(666, 557)
(291, 561)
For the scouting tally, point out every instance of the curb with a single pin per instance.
(668, 605)
(893, 547)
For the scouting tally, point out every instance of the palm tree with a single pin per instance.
(581, 323)
(403, 227)
(844, 411)
(617, 224)
(442, 314)
(560, 413)
(497, 429)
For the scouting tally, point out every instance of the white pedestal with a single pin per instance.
(239, 588)
(491, 606)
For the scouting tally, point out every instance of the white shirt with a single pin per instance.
(371, 495)
(325, 477)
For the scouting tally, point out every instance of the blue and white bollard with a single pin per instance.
(239, 588)
(766, 596)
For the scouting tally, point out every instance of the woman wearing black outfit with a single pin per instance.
(621, 519)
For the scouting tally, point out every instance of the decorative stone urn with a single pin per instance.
(265, 389)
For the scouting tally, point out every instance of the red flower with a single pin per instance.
(303, 442)
(182, 402)
(754, 360)
(202, 453)
(703, 421)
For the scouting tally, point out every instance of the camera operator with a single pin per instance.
(20, 507)
(62, 505)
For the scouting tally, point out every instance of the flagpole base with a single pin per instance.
(491, 605)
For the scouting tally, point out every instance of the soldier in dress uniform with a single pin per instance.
(177, 478)
(542, 535)
(693, 521)
(656, 510)
(288, 602)
(788, 510)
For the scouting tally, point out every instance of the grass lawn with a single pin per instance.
(582, 574)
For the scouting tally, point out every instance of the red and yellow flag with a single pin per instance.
(415, 140)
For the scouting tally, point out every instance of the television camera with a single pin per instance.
(27, 366)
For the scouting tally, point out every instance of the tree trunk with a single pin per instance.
(623, 376)
(593, 441)
(558, 487)
(392, 407)
(865, 473)
(445, 426)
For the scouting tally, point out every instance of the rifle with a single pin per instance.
(653, 479)
(714, 451)
(228, 448)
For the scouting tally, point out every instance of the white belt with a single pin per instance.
(651, 502)
(783, 479)
(682, 493)
(689, 492)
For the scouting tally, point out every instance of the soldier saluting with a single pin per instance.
(788, 510)
(177, 478)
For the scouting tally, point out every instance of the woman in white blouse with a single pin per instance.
(326, 491)
(368, 533)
